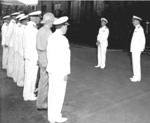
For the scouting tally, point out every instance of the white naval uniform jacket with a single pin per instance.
(16, 36)
(4, 32)
(20, 40)
(58, 54)
(138, 40)
(10, 33)
(30, 41)
(102, 36)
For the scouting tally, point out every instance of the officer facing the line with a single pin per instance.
(102, 43)
(137, 46)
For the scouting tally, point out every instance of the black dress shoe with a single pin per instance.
(42, 109)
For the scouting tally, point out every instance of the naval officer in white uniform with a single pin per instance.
(4, 29)
(16, 41)
(21, 63)
(102, 43)
(10, 38)
(137, 47)
(58, 67)
(31, 56)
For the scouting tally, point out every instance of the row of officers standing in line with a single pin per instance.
(25, 48)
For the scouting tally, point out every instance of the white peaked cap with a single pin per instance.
(15, 13)
(137, 18)
(61, 20)
(36, 13)
(23, 17)
(7, 16)
(19, 16)
(104, 19)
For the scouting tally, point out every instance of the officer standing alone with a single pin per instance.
(102, 44)
(137, 46)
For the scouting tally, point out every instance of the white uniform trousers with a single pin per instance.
(16, 66)
(5, 57)
(21, 71)
(56, 95)
(31, 70)
(136, 65)
(101, 55)
(10, 65)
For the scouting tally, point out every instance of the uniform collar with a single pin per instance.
(19, 24)
(22, 25)
(5, 23)
(59, 31)
(104, 26)
(46, 27)
(137, 26)
(32, 23)
(13, 21)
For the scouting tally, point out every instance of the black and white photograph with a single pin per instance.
(74, 61)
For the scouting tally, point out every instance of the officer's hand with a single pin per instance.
(37, 63)
(5, 46)
(97, 43)
(65, 78)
